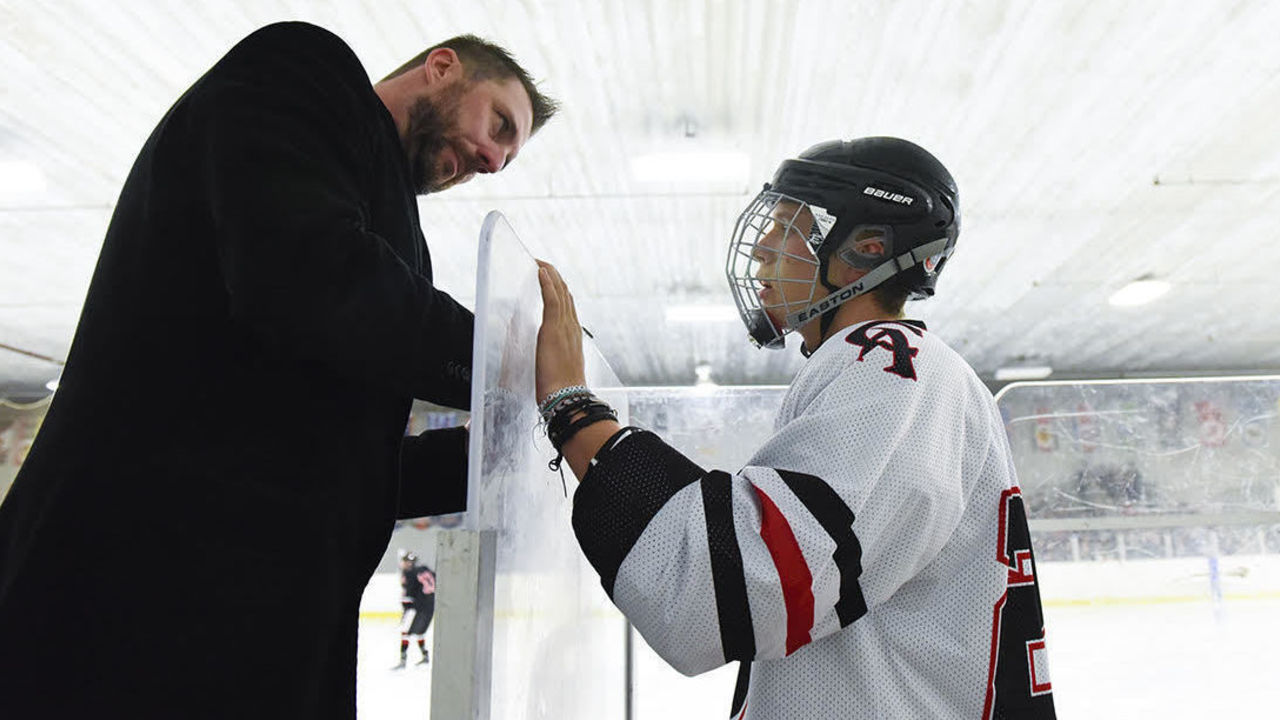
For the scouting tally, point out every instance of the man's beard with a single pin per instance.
(425, 138)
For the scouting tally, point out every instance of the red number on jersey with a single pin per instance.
(1018, 675)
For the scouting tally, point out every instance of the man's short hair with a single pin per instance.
(483, 60)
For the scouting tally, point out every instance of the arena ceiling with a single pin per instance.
(1095, 143)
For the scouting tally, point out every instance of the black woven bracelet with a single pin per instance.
(595, 414)
(558, 419)
(560, 429)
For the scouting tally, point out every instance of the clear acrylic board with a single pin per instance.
(541, 638)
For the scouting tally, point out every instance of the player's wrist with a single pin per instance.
(568, 414)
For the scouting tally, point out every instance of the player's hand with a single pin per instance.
(559, 356)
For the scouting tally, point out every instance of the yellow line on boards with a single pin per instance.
(1155, 600)
(380, 615)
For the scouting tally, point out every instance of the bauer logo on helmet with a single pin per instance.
(886, 195)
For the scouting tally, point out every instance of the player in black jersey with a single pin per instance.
(418, 605)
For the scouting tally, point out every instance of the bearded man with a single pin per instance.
(261, 317)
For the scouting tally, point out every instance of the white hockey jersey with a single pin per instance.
(871, 561)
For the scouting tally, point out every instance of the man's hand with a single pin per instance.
(559, 356)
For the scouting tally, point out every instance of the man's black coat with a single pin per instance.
(233, 407)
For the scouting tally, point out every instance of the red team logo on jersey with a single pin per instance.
(888, 336)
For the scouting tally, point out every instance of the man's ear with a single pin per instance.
(441, 65)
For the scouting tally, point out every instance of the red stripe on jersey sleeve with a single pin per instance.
(995, 652)
(793, 571)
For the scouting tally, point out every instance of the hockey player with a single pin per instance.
(417, 605)
(872, 560)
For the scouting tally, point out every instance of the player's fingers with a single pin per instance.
(550, 297)
(551, 269)
(564, 308)
(573, 308)
(562, 289)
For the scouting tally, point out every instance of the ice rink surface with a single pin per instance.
(1174, 661)
(382, 692)
(1128, 662)
(1171, 661)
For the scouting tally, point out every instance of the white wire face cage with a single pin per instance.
(765, 236)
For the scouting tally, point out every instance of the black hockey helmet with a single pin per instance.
(882, 186)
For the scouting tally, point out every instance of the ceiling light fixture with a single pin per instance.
(1023, 372)
(1139, 292)
(692, 166)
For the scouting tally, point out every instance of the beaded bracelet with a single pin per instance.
(545, 406)
(567, 404)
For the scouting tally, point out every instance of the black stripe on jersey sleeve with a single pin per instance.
(740, 689)
(836, 519)
(628, 482)
(737, 635)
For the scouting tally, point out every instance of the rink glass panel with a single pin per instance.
(1154, 522)
(19, 423)
(1151, 469)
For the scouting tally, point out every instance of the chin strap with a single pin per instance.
(828, 317)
